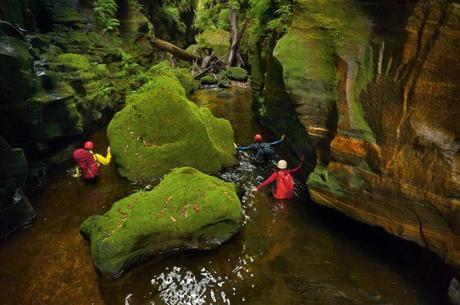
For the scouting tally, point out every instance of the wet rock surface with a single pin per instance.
(384, 130)
(58, 84)
(15, 208)
(454, 291)
(187, 210)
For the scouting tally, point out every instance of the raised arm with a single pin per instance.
(298, 166)
(270, 180)
(278, 141)
(104, 160)
(243, 148)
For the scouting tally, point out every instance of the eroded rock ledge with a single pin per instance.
(379, 104)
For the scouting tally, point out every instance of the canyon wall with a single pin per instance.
(61, 76)
(372, 91)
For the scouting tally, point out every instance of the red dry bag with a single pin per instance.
(86, 163)
(284, 185)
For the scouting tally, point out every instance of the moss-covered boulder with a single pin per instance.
(236, 73)
(187, 210)
(186, 79)
(74, 62)
(160, 129)
(216, 40)
(208, 80)
(183, 74)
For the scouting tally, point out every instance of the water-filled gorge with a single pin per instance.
(365, 90)
(287, 253)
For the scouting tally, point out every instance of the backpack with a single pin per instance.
(284, 185)
(86, 163)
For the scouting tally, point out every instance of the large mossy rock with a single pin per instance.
(160, 129)
(208, 79)
(187, 210)
(216, 40)
(236, 73)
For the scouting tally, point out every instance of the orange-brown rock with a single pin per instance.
(393, 154)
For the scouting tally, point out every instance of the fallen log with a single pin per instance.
(174, 50)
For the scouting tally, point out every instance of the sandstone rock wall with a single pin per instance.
(378, 101)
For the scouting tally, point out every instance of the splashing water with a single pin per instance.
(183, 287)
(177, 288)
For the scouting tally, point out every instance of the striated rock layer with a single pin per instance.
(378, 101)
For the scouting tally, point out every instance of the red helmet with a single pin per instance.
(88, 145)
(257, 138)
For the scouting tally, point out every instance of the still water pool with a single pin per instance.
(291, 252)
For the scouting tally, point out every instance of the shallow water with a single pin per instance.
(287, 253)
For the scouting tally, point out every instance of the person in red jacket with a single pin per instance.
(88, 162)
(284, 180)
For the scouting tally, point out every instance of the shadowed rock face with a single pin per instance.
(62, 80)
(15, 209)
(378, 99)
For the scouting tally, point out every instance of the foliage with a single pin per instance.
(271, 16)
(135, 4)
(257, 18)
(171, 13)
(106, 11)
(212, 14)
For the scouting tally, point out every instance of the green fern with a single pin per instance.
(106, 11)
(135, 5)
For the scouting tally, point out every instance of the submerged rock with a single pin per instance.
(160, 129)
(236, 73)
(187, 210)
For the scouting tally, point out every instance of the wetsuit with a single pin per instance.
(263, 150)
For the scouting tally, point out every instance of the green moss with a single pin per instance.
(101, 70)
(185, 78)
(216, 40)
(236, 73)
(162, 68)
(208, 80)
(194, 49)
(188, 209)
(165, 68)
(357, 115)
(74, 61)
(160, 129)
(323, 31)
(320, 178)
